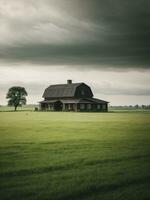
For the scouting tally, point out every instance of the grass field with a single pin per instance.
(23, 108)
(73, 156)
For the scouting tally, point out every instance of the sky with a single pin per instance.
(103, 43)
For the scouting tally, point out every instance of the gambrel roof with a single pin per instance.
(61, 90)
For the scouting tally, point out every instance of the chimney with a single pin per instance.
(69, 81)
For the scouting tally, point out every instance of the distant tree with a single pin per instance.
(143, 106)
(137, 106)
(17, 96)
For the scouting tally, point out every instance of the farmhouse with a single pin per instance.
(71, 97)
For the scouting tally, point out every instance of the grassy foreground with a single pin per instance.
(73, 156)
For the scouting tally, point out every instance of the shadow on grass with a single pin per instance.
(95, 189)
(68, 166)
(82, 192)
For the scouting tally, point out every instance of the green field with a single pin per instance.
(73, 156)
(22, 108)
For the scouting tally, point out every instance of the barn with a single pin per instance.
(71, 97)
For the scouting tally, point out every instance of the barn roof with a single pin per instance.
(61, 90)
(95, 100)
(84, 100)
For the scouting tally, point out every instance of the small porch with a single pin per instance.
(51, 105)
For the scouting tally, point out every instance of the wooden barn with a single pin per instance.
(71, 97)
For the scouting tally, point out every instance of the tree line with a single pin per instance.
(130, 107)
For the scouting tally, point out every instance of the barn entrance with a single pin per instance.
(58, 106)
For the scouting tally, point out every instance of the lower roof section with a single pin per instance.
(74, 100)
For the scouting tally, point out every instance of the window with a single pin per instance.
(98, 106)
(82, 106)
(82, 92)
(104, 106)
(89, 106)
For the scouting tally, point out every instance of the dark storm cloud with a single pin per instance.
(96, 33)
(77, 55)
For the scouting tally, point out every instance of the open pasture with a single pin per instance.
(73, 156)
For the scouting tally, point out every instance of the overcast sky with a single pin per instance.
(104, 43)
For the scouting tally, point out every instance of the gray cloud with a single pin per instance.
(87, 54)
(36, 89)
(123, 91)
(101, 33)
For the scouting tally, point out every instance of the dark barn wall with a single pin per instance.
(83, 91)
(94, 107)
(80, 107)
